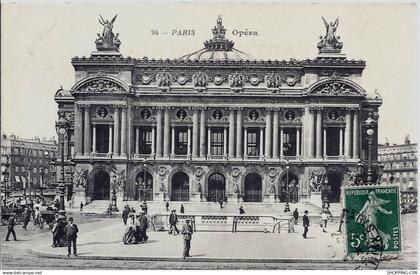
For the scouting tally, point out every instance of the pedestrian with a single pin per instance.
(296, 216)
(324, 220)
(37, 215)
(305, 223)
(81, 206)
(11, 227)
(241, 210)
(173, 219)
(71, 231)
(56, 231)
(144, 207)
(167, 206)
(342, 219)
(26, 218)
(182, 209)
(125, 215)
(187, 233)
(143, 227)
(221, 203)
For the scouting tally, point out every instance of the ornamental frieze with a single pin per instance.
(163, 80)
(200, 80)
(254, 79)
(101, 86)
(335, 88)
(273, 81)
(236, 80)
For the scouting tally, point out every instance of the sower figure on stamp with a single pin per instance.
(11, 227)
(71, 234)
(305, 223)
(187, 234)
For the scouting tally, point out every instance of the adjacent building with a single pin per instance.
(216, 123)
(29, 162)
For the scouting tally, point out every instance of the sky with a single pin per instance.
(39, 40)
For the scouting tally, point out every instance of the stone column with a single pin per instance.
(267, 134)
(297, 142)
(225, 152)
(159, 134)
(281, 142)
(116, 131)
(318, 133)
(356, 134)
(203, 133)
(66, 147)
(195, 134)
(231, 133)
(276, 134)
(239, 134)
(153, 141)
(173, 142)
(245, 142)
(93, 138)
(87, 146)
(137, 140)
(188, 141)
(110, 140)
(129, 130)
(311, 134)
(325, 142)
(261, 142)
(341, 142)
(208, 141)
(347, 137)
(166, 134)
(124, 131)
(78, 130)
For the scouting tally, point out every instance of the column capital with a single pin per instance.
(355, 109)
(236, 108)
(269, 109)
(318, 109)
(312, 109)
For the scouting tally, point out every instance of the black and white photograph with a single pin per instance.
(228, 135)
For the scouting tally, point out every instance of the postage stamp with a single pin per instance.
(372, 219)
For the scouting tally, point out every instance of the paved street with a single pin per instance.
(101, 237)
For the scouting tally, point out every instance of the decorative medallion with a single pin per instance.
(272, 173)
(182, 79)
(290, 115)
(253, 115)
(162, 171)
(254, 80)
(181, 114)
(218, 79)
(145, 114)
(291, 80)
(102, 112)
(217, 115)
(333, 115)
(146, 79)
(235, 172)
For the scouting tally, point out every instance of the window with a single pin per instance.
(145, 140)
(289, 142)
(181, 141)
(216, 140)
(16, 169)
(253, 138)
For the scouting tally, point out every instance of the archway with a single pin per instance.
(289, 187)
(334, 186)
(253, 188)
(144, 189)
(216, 187)
(101, 185)
(180, 187)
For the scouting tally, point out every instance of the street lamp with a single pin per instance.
(287, 207)
(370, 131)
(61, 126)
(6, 180)
(114, 193)
(42, 181)
(143, 187)
(391, 178)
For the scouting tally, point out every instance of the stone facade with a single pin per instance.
(215, 124)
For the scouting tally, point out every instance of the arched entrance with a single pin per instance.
(101, 186)
(216, 187)
(144, 189)
(289, 187)
(180, 187)
(334, 186)
(253, 188)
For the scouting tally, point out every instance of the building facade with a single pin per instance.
(400, 166)
(29, 162)
(215, 124)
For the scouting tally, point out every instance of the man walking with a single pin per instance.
(241, 210)
(125, 215)
(173, 219)
(296, 216)
(26, 218)
(187, 233)
(143, 227)
(182, 209)
(11, 227)
(81, 206)
(167, 206)
(305, 223)
(71, 231)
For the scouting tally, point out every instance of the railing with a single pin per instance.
(253, 196)
(233, 223)
(181, 195)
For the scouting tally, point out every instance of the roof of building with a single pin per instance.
(218, 48)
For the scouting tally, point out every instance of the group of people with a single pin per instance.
(136, 226)
(181, 209)
(325, 217)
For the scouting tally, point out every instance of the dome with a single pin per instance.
(218, 48)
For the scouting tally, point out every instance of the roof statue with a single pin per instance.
(329, 43)
(107, 41)
(218, 48)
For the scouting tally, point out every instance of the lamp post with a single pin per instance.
(114, 193)
(391, 178)
(143, 186)
(42, 181)
(370, 131)
(6, 180)
(287, 207)
(61, 126)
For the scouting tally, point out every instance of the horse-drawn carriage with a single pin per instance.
(6, 213)
(47, 217)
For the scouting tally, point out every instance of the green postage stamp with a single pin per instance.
(372, 219)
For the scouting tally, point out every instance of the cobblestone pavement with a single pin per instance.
(15, 254)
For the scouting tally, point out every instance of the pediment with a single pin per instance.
(335, 87)
(100, 85)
